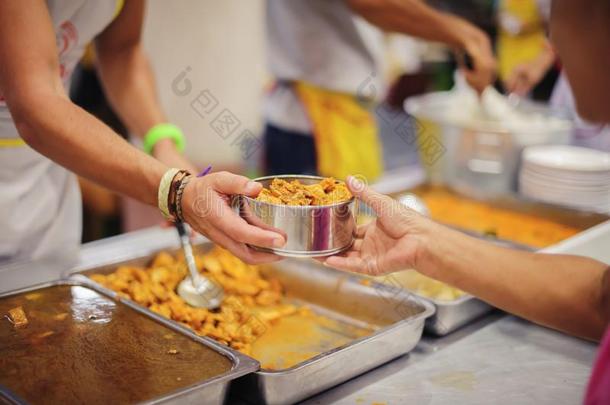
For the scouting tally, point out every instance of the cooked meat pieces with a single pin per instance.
(251, 304)
(327, 191)
(17, 317)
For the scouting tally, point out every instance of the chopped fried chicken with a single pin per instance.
(328, 191)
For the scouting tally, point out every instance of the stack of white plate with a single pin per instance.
(566, 175)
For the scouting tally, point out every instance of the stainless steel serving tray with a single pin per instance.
(209, 391)
(399, 316)
(579, 219)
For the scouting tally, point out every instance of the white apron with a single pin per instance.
(40, 205)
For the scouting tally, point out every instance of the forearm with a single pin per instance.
(129, 84)
(414, 17)
(70, 136)
(559, 291)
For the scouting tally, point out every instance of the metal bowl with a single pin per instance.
(310, 231)
(480, 157)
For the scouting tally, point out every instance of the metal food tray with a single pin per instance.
(452, 315)
(210, 391)
(348, 298)
(579, 219)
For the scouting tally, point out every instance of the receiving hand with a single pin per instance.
(393, 241)
(206, 206)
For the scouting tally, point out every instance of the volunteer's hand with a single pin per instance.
(526, 76)
(477, 44)
(206, 208)
(393, 241)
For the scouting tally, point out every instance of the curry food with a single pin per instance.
(255, 316)
(326, 192)
(422, 285)
(70, 344)
(250, 305)
(465, 213)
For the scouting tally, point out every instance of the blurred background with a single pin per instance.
(213, 55)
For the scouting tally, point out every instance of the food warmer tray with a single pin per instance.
(352, 299)
(208, 391)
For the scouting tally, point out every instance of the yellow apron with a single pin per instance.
(345, 133)
(516, 48)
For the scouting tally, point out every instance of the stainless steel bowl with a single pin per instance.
(481, 157)
(310, 231)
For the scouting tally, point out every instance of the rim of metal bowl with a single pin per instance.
(303, 207)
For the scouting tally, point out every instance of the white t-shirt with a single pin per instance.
(323, 43)
(40, 207)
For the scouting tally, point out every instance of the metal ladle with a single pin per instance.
(196, 289)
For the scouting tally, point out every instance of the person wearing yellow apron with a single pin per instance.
(44, 137)
(524, 52)
(318, 113)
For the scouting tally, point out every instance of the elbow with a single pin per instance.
(25, 122)
(33, 114)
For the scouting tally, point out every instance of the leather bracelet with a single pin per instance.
(173, 193)
(179, 195)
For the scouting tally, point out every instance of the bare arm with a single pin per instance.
(129, 82)
(49, 122)
(565, 292)
(414, 17)
(569, 293)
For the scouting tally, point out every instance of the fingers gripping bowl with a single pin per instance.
(310, 230)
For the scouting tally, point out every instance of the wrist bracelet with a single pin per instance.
(164, 189)
(179, 194)
(173, 192)
(163, 131)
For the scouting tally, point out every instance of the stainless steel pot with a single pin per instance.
(310, 231)
(479, 157)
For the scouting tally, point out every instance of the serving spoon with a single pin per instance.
(197, 290)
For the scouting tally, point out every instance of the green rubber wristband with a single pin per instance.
(163, 131)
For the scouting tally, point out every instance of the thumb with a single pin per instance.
(393, 216)
(229, 183)
(378, 202)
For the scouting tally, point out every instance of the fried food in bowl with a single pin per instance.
(315, 214)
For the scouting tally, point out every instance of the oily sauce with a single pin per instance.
(81, 347)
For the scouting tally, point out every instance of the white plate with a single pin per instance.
(564, 198)
(558, 201)
(569, 158)
(574, 187)
(590, 178)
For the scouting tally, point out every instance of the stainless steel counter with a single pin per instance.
(507, 361)
(498, 359)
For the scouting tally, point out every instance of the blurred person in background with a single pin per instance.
(527, 65)
(44, 137)
(317, 114)
(526, 60)
(565, 292)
